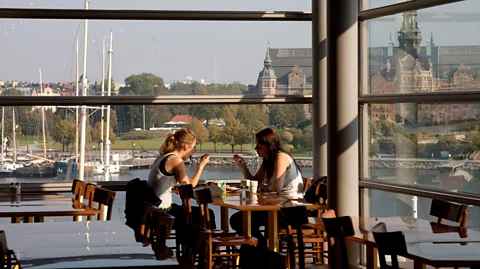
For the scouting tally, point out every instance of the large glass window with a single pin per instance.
(42, 147)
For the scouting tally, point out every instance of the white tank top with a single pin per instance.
(162, 183)
(293, 182)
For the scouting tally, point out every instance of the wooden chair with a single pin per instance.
(195, 241)
(389, 243)
(449, 211)
(185, 191)
(7, 258)
(102, 197)
(295, 217)
(338, 228)
(204, 198)
(311, 235)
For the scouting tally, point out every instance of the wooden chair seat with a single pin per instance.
(222, 233)
(234, 241)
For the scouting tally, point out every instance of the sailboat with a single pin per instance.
(105, 168)
(47, 167)
(8, 167)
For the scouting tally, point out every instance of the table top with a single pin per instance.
(415, 230)
(46, 208)
(258, 202)
(445, 254)
(80, 245)
(6, 197)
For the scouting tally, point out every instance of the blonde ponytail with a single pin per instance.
(177, 140)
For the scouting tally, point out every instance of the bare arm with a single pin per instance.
(180, 172)
(259, 176)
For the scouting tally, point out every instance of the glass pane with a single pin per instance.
(389, 204)
(432, 50)
(136, 135)
(176, 58)
(282, 5)
(369, 4)
(434, 145)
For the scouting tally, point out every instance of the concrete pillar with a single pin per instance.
(342, 110)
(319, 87)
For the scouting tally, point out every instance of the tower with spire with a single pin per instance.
(410, 36)
(267, 81)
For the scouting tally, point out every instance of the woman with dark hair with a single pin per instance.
(169, 170)
(278, 173)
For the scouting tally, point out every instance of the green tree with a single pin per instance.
(214, 134)
(254, 117)
(64, 133)
(232, 132)
(288, 115)
(97, 131)
(199, 129)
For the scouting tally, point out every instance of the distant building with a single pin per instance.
(286, 72)
(180, 121)
(46, 92)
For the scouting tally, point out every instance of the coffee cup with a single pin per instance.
(253, 186)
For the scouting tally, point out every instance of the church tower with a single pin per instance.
(410, 36)
(267, 81)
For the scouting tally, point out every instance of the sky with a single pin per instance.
(220, 52)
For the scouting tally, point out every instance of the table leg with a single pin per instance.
(273, 230)
(247, 223)
(418, 265)
(224, 218)
(39, 219)
(28, 219)
(372, 262)
(15, 220)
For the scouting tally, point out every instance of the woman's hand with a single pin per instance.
(205, 159)
(239, 161)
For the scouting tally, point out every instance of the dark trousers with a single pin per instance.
(259, 218)
(178, 212)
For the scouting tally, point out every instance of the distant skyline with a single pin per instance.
(220, 52)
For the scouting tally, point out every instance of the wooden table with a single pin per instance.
(34, 208)
(95, 244)
(259, 202)
(428, 243)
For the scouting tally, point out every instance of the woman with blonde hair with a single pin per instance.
(169, 170)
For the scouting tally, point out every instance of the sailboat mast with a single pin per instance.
(103, 93)
(14, 136)
(43, 118)
(3, 128)
(109, 91)
(76, 108)
(83, 112)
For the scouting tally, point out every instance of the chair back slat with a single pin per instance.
(295, 217)
(102, 197)
(204, 197)
(449, 211)
(338, 228)
(162, 224)
(4, 259)
(195, 241)
(185, 191)
(392, 244)
(78, 189)
(306, 182)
